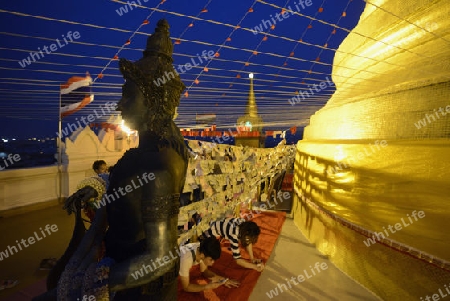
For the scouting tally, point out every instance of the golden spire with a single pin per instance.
(251, 109)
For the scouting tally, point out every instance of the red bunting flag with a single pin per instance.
(293, 130)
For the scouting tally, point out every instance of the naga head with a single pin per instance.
(152, 89)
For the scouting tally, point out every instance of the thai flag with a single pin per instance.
(76, 93)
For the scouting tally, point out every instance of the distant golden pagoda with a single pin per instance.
(251, 124)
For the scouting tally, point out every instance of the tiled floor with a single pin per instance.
(24, 265)
(294, 256)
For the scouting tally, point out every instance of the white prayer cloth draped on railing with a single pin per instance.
(242, 176)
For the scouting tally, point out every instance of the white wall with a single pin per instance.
(22, 187)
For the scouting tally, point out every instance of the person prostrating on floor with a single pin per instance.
(238, 230)
(204, 254)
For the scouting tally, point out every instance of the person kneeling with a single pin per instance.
(238, 231)
(204, 254)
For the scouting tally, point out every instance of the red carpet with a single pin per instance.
(270, 224)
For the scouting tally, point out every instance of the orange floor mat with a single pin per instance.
(270, 224)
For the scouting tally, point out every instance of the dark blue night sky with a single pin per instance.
(282, 64)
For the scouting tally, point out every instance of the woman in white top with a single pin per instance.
(204, 254)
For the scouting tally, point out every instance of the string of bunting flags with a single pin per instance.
(178, 40)
(207, 132)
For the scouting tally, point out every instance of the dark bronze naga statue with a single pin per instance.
(130, 249)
